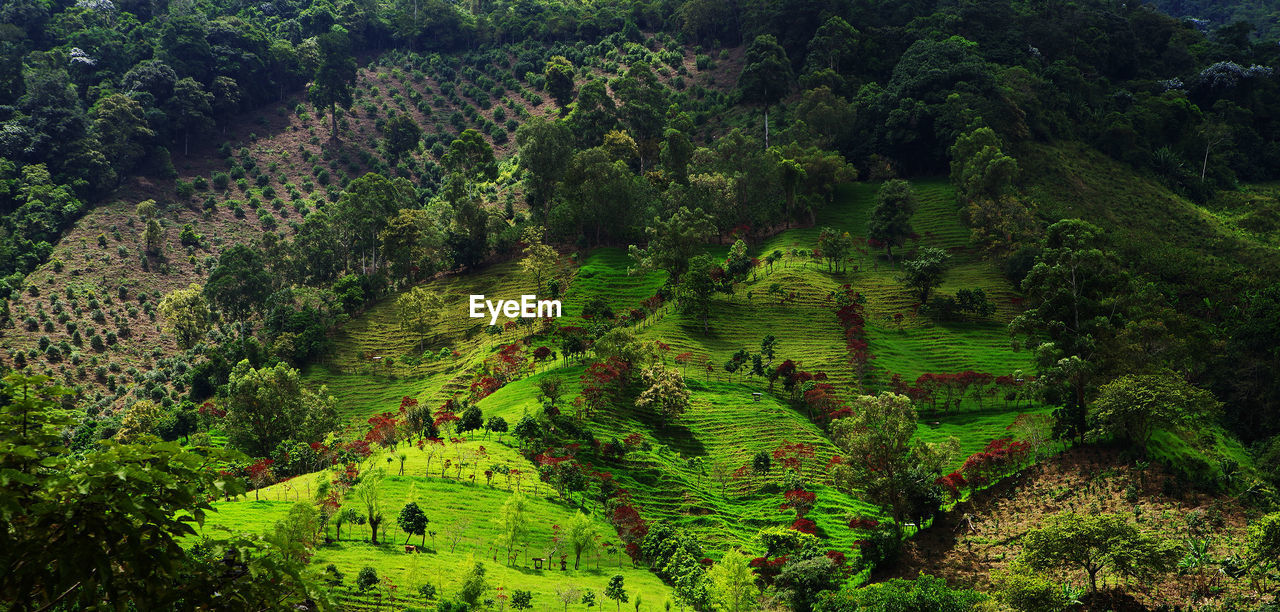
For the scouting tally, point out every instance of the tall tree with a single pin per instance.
(1074, 300)
(766, 75)
(513, 523)
(834, 46)
(413, 243)
(239, 284)
(593, 115)
(673, 241)
(733, 584)
(364, 210)
(559, 73)
(540, 260)
(1133, 406)
(419, 309)
(471, 156)
(880, 459)
(644, 107)
(699, 287)
(121, 127)
(545, 148)
(890, 222)
(979, 166)
(582, 536)
(190, 110)
(369, 493)
(335, 75)
(186, 315)
(924, 272)
(269, 405)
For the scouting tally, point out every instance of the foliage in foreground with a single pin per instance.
(103, 528)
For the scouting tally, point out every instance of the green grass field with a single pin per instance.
(683, 474)
(454, 505)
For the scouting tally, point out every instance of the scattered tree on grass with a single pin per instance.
(890, 222)
(924, 272)
(616, 591)
(568, 595)
(666, 394)
(346, 515)
(413, 522)
(550, 389)
(582, 536)
(496, 424)
(521, 599)
(366, 579)
(513, 524)
(369, 493)
(474, 584)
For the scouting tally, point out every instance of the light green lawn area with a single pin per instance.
(450, 504)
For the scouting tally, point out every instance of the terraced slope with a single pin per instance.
(454, 505)
(685, 473)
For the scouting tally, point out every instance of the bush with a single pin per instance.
(189, 237)
(367, 578)
(184, 189)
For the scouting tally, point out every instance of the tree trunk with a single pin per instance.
(333, 118)
(766, 126)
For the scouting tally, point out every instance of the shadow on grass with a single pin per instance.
(680, 438)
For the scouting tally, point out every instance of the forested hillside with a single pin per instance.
(867, 305)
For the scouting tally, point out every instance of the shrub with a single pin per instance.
(367, 578)
(189, 237)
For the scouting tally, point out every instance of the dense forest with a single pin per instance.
(869, 305)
